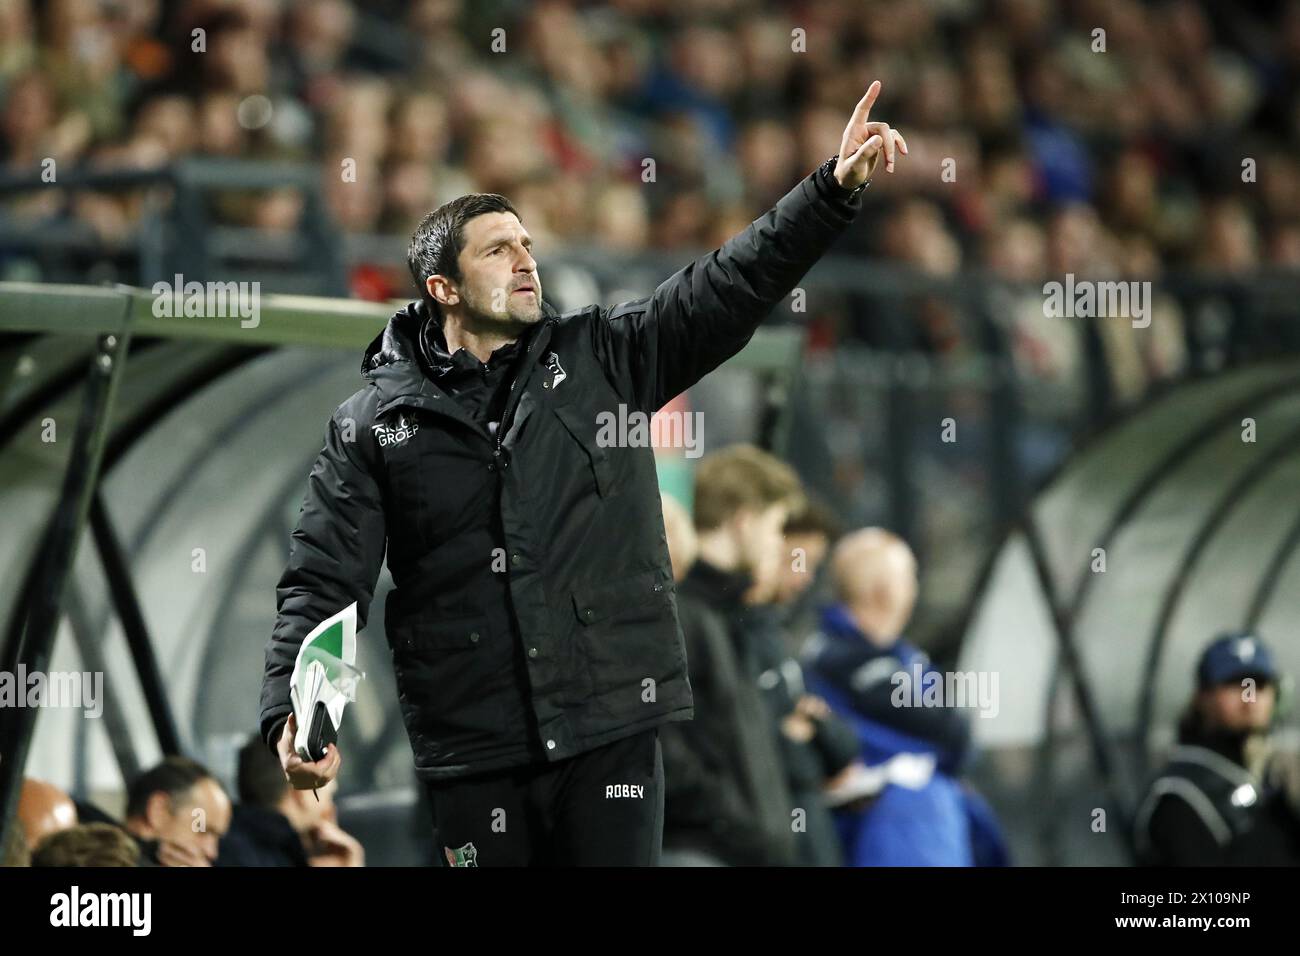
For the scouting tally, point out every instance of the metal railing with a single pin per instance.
(178, 233)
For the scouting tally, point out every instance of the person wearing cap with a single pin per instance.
(1226, 796)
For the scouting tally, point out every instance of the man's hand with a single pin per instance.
(865, 142)
(304, 774)
(813, 707)
(844, 776)
(177, 854)
(333, 846)
(798, 727)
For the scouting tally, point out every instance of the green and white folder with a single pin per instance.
(325, 673)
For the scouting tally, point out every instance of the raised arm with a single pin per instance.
(706, 313)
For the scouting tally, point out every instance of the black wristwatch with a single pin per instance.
(848, 194)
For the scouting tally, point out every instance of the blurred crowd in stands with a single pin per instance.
(1107, 139)
(1039, 146)
(1104, 139)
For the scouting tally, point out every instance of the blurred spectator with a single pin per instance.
(915, 812)
(682, 543)
(726, 799)
(177, 811)
(916, 234)
(276, 825)
(622, 221)
(88, 844)
(1231, 243)
(1227, 796)
(814, 745)
(809, 533)
(44, 809)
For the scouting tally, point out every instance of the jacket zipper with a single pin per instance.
(505, 416)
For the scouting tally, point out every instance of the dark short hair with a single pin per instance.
(814, 518)
(88, 844)
(438, 240)
(261, 779)
(175, 776)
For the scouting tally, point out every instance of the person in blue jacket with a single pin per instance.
(921, 814)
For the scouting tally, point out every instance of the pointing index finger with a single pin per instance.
(863, 109)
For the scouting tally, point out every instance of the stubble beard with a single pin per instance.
(516, 318)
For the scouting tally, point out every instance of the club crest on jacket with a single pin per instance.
(465, 855)
(555, 371)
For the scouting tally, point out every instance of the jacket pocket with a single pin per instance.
(582, 429)
(433, 633)
(451, 678)
(599, 602)
(626, 630)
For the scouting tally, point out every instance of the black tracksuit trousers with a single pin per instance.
(604, 807)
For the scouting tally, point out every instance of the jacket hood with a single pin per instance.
(390, 361)
(396, 343)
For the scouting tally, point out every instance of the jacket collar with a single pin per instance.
(392, 362)
(836, 620)
(439, 361)
(721, 589)
(838, 623)
(1224, 744)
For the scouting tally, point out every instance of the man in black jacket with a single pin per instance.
(728, 799)
(816, 745)
(1227, 796)
(744, 777)
(533, 622)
